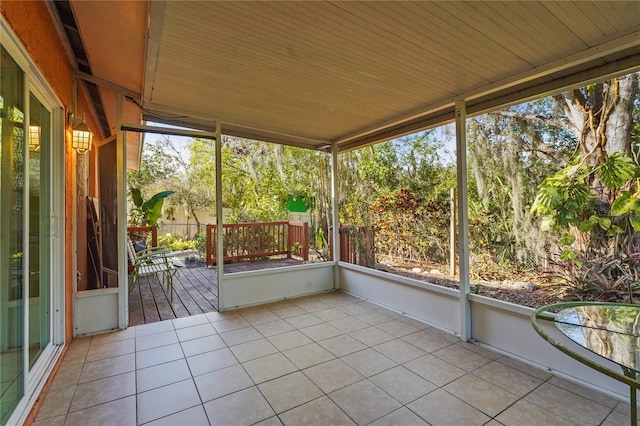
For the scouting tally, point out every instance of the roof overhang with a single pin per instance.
(316, 74)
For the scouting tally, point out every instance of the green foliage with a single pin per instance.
(564, 199)
(399, 188)
(201, 242)
(157, 166)
(510, 152)
(617, 170)
(627, 204)
(147, 212)
(409, 228)
(176, 243)
(259, 178)
(599, 259)
(606, 277)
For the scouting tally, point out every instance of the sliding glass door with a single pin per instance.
(12, 227)
(39, 248)
(26, 235)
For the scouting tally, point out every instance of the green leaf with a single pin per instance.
(604, 222)
(616, 229)
(617, 170)
(587, 225)
(153, 207)
(624, 204)
(567, 239)
(546, 223)
(136, 197)
(635, 221)
(567, 254)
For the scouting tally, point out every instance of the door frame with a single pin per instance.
(35, 378)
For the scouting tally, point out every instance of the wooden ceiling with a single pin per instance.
(315, 74)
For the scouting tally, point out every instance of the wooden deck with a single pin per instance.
(195, 291)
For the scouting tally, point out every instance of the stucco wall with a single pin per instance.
(32, 23)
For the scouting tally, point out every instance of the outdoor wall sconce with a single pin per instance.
(35, 132)
(81, 136)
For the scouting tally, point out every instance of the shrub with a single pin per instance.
(175, 242)
(201, 242)
(604, 277)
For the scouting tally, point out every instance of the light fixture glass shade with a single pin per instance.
(34, 138)
(82, 137)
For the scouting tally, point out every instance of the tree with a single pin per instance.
(567, 139)
(603, 167)
(510, 153)
(399, 188)
(163, 168)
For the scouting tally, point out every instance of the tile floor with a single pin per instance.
(325, 359)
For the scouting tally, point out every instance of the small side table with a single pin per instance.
(610, 330)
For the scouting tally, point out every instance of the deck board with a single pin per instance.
(195, 291)
(149, 309)
(148, 301)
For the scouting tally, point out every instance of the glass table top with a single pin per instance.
(611, 331)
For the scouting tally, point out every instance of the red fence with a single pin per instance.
(262, 239)
(357, 245)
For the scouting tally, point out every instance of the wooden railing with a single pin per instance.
(144, 230)
(357, 245)
(257, 240)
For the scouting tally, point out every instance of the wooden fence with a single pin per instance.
(143, 232)
(256, 240)
(357, 245)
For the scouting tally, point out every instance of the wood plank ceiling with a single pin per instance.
(351, 73)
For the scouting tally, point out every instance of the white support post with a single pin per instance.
(121, 176)
(463, 220)
(335, 216)
(219, 219)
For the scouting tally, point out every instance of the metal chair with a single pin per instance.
(151, 261)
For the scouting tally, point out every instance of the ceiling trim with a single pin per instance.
(280, 138)
(143, 128)
(154, 30)
(107, 84)
(435, 119)
(584, 67)
(595, 53)
(557, 83)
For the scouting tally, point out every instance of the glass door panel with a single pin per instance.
(12, 176)
(39, 298)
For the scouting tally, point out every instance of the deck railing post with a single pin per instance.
(305, 241)
(289, 239)
(154, 236)
(208, 245)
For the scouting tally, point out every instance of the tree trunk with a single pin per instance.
(602, 117)
(195, 217)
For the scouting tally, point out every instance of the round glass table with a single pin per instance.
(610, 330)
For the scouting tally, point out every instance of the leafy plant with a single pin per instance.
(599, 258)
(201, 242)
(607, 277)
(175, 242)
(409, 227)
(564, 199)
(565, 202)
(147, 212)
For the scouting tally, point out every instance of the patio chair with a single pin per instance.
(151, 261)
